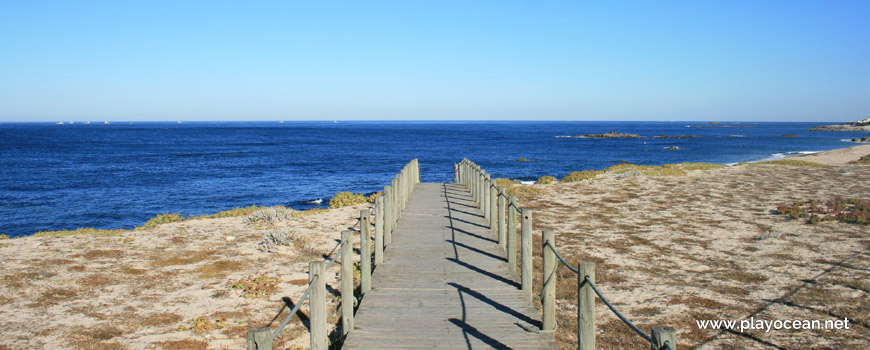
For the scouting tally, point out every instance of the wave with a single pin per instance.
(782, 155)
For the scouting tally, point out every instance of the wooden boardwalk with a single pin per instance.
(445, 284)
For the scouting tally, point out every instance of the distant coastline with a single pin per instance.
(860, 125)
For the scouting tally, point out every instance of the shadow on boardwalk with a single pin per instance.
(444, 284)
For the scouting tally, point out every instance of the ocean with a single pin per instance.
(121, 174)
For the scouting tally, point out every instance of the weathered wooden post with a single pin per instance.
(663, 335)
(512, 234)
(379, 230)
(480, 190)
(501, 219)
(585, 306)
(346, 282)
(317, 304)
(487, 187)
(365, 251)
(526, 250)
(548, 291)
(394, 202)
(388, 215)
(455, 173)
(493, 206)
(260, 338)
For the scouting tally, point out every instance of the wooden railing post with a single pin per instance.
(365, 251)
(397, 210)
(502, 205)
(487, 186)
(317, 305)
(379, 230)
(388, 215)
(455, 173)
(260, 338)
(663, 335)
(512, 234)
(346, 282)
(585, 307)
(493, 206)
(475, 180)
(526, 253)
(480, 187)
(548, 291)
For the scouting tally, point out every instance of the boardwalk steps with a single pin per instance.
(445, 284)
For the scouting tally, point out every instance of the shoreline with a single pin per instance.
(837, 156)
(172, 283)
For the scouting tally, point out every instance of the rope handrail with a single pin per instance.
(304, 295)
(594, 288)
(572, 268)
(621, 317)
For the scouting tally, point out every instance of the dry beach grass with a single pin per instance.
(708, 245)
(177, 285)
(671, 247)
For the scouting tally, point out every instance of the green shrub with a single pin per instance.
(343, 199)
(581, 175)
(254, 287)
(546, 180)
(4, 236)
(164, 218)
(862, 160)
(524, 191)
(853, 211)
(505, 183)
(374, 196)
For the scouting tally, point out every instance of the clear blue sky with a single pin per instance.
(758, 60)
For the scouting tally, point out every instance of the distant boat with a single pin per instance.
(281, 122)
(179, 122)
(72, 122)
(335, 121)
(87, 122)
(59, 123)
(107, 123)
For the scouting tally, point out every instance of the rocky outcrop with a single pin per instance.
(608, 135)
(863, 139)
(678, 136)
(860, 125)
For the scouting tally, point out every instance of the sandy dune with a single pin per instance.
(670, 250)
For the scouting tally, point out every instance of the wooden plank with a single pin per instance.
(445, 283)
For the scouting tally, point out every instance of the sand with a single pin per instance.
(670, 250)
(674, 249)
(163, 288)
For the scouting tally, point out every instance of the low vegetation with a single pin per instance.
(854, 211)
(238, 211)
(581, 175)
(505, 183)
(862, 160)
(524, 191)
(344, 199)
(374, 196)
(272, 215)
(164, 218)
(787, 162)
(255, 286)
(80, 231)
(546, 180)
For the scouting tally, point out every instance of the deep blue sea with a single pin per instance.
(119, 175)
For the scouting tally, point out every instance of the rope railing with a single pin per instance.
(386, 211)
(494, 202)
